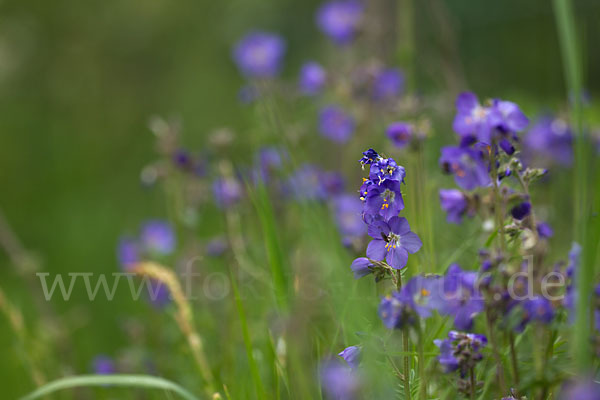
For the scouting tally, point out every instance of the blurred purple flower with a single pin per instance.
(227, 192)
(348, 216)
(312, 78)
(259, 54)
(472, 119)
(400, 133)
(361, 267)
(459, 297)
(340, 19)
(550, 137)
(157, 237)
(581, 389)
(510, 118)
(454, 202)
(460, 351)
(539, 309)
(127, 252)
(339, 382)
(467, 166)
(216, 246)
(388, 84)
(545, 230)
(332, 183)
(103, 365)
(158, 294)
(335, 124)
(521, 210)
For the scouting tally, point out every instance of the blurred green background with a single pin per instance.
(79, 81)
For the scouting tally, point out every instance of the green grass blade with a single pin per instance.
(565, 22)
(264, 209)
(260, 391)
(143, 381)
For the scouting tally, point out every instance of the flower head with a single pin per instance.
(339, 382)
(388, 84)
(459, 296)
(157, 237)
(472, 119)
(340, 19)
(103, 365)
(467, 166)
(392, 241)
(369, 157)
(259, 54)
(400, 133)
(461, 351)
(386, 169)
(454, 202)
(550, 138)
(351, 355)
(348, 216)
(227, 192)
(336, 124)
(128, 252)
(384, 199)
(312, 78)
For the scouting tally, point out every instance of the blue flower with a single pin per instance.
(259, 54)
(454, 202)
(369, 157)
(335, 124)
(467, 166)
(521, 210)
(103, 365)
(312, 78)
(396, 311)
(400, 133)
(128, 252)
(361, 266)
(472, 120)
(348, 216)
(388, 84)
(384, 199)
(339, 382)
(393, 241)
(386, 169)
(550, 138)
(340, 19)
(157, 237)
(351, 355)
(461, 351)
(459, 297)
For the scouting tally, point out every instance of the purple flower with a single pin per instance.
(340, 19)
(472, 119)
(103, 365)
(259, 54)
(351, 355)
(158, 294)
(332, 183)
(157, 237)
(216, 246)
(460, 351)
(339, 382)
(369, 157)
(459, 296)
(396, 311)
(510, 118)
(421, 292)
(545, 230)
(400, 133)
(305, 183)
(384, 199)
(128, 252)
(550, 138)
(227, 192)
(521, 210)
(348, 216)
(466, 165)
(361, 267)
(312, 78)
(388, 84)
(335, 124)
(393, 241)
(182, 159)
(454, 202)
(269, 159)
(538, 309)
(582, 389)
(386, 169)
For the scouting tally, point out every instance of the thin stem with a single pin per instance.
(494, 346)
(421, 356)
(497, 199)
(472, 378)
(406, 365)
(513, 357)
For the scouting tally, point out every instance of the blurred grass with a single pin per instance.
(78, 82)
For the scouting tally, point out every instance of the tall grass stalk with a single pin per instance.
(571, 59)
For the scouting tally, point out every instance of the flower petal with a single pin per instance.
(399, 225)
(397, 258)
(376, 249)
(411, 242)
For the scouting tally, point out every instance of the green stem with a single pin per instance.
(565, 23)
(406, 371)
(472, 379)
(514, 360)
(494, 346)
(109, 380)
(421, 360)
